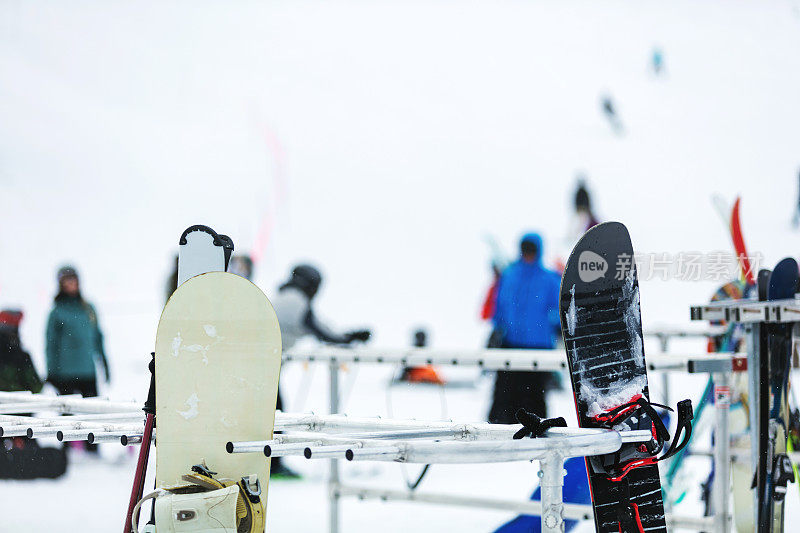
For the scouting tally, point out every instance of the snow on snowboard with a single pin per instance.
(601, 324)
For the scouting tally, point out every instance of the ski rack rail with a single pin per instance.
(754, 315)
(719, 365)
(381, 439)
(362, 439)
(499, 359)
(749, 311)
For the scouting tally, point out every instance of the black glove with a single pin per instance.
(362, 335)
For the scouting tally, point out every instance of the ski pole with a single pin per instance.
(144, 448)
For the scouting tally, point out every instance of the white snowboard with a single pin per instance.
(218, 356)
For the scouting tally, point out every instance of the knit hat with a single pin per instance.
(66, 271)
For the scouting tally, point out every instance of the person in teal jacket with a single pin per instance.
(74, 339)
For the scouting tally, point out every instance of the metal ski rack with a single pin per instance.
(337, 437)
(719, 366)
(749, 311)
(755, 315)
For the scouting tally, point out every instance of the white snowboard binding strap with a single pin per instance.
(202, 250)
(207, 505)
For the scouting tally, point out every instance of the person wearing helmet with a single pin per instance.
(526, 316)
(296, 316)
(74, 340)
(293, 306)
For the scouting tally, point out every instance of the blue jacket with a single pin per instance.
(527, 304)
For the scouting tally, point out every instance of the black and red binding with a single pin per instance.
(618, 465)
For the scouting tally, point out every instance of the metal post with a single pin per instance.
(722, 457)
(333, 481)
(552, 474)
(753, 348)
(664, 343)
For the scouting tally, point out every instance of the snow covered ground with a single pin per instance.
(382, 140)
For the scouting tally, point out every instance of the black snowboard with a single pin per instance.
(601, 324)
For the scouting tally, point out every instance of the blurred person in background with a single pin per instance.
(242, 265)
(525, 317)
(17, 372)
(657, 60)
(74, 341)
(609, 109)
(582, 220)
(21, 457)
(584, 214)
(420, 374)
(293, 305)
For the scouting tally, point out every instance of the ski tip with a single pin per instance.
(735, 211)
(783, 280)
(787, 265)
(762, 283)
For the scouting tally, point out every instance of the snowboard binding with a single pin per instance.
(640, 413)
(782, 474)
(208, 503)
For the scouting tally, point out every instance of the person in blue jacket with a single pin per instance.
(526, 316)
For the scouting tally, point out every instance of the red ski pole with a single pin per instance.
(144, 447)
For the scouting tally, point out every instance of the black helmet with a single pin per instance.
(306, 278)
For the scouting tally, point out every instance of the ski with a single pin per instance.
(774, 469)
(738, 244)
(601, 325)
